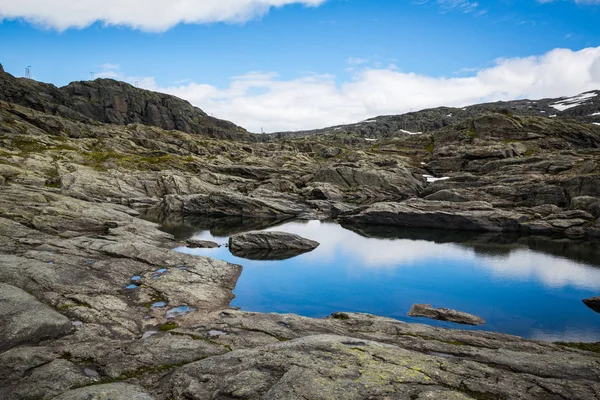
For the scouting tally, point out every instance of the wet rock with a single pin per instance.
(112, 391)
(26, 320)
(200, 244)
(223, 204)
(419, 213)
(444, 314)
(270, 240)
(593, 303)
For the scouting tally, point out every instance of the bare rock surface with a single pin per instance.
(270, 240)
(26, 320)
(444, 314)
(201, 244)
(112, 391)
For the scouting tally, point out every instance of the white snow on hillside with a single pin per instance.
(410, 133)
(431, 178)
(574, 101)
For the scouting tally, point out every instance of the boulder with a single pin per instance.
(200, 244)
(444, 314)
(26, 320)
(267, 240)
(593, 303)
(587, 203)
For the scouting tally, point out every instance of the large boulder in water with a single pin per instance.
(263, 245)
(265, 240)
(444, 314)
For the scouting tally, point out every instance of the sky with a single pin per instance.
(276, 65)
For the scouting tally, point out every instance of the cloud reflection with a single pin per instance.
(519, 263)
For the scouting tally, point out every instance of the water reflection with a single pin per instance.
(526, 286)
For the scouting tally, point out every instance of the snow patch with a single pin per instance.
(410, 133)
(571, 102)
(431, 178)
(449, 115)
(553, 116)
(596, 123)
(370, 140)
(369, 120)
(595, 114)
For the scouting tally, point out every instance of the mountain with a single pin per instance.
(112, 102)
(584, 107)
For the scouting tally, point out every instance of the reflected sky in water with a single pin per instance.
(519, 286)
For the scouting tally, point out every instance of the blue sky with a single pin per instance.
(311, 63)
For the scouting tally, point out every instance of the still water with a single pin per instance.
(526, 286)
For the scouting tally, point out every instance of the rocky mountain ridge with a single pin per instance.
(584, 108)
(114, 102)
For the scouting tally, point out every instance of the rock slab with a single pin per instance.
(26, 320)
(255, 240)
(444, 314)
(201, 244)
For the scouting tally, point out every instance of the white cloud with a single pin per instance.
(109, 66)
(356, 60)
(258, 100)
(148, 15)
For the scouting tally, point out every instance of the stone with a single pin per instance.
(200, 244)
(270, 240)
(26, 320)
(444, 314)
(593, 303)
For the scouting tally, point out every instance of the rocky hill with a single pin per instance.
(73, 188)
(113, 102)
(584, 108)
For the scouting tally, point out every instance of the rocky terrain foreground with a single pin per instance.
(95, 304)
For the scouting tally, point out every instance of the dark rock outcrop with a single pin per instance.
(593, 303)
(113, 102)
(444, 314)
(200, 244)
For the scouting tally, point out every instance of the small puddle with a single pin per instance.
(159, 304)
(136, 278)
(131, 287)
(159, 273)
